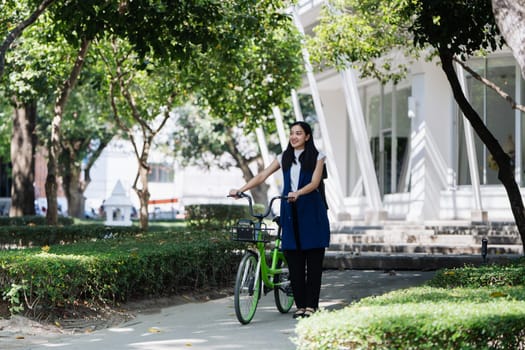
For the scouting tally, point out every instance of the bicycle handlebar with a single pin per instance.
(268, 208)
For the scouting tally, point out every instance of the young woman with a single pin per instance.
(304, 219)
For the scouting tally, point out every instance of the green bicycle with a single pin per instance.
(261, 270)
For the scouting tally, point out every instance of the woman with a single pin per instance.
(304, 219)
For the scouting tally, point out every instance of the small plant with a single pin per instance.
(14, 297)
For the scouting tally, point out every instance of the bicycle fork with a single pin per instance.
(252, 285)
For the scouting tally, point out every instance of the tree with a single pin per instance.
(32, 69)
(24, 117)
(141, 101)
(452, 30)
(89, 129)
(23, 159)
(55, 140)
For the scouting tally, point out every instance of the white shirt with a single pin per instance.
(295, 169)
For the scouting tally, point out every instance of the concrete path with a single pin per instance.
(213, 325)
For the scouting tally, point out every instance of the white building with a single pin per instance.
(171, 188)
(402, 152)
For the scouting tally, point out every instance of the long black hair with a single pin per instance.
(308, 158)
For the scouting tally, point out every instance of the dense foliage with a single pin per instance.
(463, 308)
(31, 235)
(115, 269)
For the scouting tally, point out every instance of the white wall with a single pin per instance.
(337, 124)
(191, 185)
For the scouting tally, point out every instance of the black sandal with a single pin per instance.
(299, 313)
(308, 312)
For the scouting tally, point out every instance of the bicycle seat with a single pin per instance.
(277, 220)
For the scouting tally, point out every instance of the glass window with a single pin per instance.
(161, 173)
(495, 112)
(388, 126)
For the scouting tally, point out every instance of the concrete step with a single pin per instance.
(424, 262)
(409, 248)
(424, 238)
(432, 245)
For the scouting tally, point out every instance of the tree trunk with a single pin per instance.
(54, 146)
(76, 173)
(505, 172)
(510, 17)
(23, 145)
(143, 192)
(259, 193)
(73, 188)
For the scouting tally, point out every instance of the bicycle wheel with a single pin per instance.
(247, 290)
(283, 290)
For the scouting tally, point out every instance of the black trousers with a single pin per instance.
(306, 268)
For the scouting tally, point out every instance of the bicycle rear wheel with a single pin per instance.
(247, 289)
(283, 290)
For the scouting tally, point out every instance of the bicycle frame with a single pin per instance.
(266, 270)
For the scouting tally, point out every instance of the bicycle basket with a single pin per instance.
(246, 231)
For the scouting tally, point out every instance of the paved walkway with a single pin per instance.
(213, 325)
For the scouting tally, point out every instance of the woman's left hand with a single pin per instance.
(293, 196)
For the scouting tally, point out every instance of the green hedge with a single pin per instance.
(33, 236)
(484, 276)
(32, 220)
(217, 216)
(116, 269)
(464, 308)
(450, 323)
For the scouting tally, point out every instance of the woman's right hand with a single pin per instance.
(234, 193)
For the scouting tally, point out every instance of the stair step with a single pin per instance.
(427, 249)
(398, 238)
(389, 262)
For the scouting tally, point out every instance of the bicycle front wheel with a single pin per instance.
(247, 288)
(283, 290)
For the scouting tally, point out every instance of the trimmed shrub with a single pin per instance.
(462, 308)
(484, 276)
(12, 237)
(116, 269)
(32, 220)
(446, 325)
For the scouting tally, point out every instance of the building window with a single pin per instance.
(161, 173)
(386, 113)
(496, 113)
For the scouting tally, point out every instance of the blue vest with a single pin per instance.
(313, 225)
